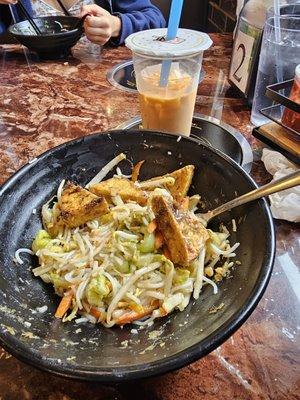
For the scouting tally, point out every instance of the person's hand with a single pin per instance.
(8, 2)
(101, 25)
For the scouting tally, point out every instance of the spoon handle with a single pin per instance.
(284, 183)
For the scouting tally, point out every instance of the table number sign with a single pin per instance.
(244, 57)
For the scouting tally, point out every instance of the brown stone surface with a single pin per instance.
(45, 104)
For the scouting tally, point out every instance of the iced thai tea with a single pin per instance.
(168, 109)
(167, 76)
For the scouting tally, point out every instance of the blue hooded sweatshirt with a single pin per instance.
(136, 15)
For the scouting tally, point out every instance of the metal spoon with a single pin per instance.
(284, 183)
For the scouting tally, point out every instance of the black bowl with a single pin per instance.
(53, 43)
(112, 355)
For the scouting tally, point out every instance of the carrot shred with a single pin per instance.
(86, 306)
(154, 303)
(136, 171)
(64, 305)
(95, 313)
(159, 240)
(152, 226)
(131, 316)
(163, 312)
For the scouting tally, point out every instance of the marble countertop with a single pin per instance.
(43, 104)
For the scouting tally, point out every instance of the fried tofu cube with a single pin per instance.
(183, 233)
(119, 186)
(183, 179)
(79, 206)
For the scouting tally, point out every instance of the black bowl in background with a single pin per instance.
(52, 44)
(112, 355)
(213, 132)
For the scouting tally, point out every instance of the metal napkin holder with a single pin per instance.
(274, 112)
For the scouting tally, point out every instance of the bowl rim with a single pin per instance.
(178, 360)
(50, 35)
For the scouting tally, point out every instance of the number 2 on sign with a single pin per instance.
(235, 74)
(241, 61)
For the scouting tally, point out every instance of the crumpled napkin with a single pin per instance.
(285, 204)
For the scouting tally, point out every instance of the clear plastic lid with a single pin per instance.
(152, 43)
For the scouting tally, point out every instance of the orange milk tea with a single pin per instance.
(168, 109)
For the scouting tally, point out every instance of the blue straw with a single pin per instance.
(174, 19)
(173, 24)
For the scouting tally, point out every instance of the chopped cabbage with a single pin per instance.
(41, 240)
(59, 282)
(96, 290)
(71, 246)
(181, 276)
(147, 244)
(44, 241)
(124, 268)
(166, 264)
(146, 259)
(54, 248)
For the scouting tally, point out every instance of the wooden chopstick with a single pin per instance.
(28, 17)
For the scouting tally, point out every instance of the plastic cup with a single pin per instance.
(168, 108)
(279, 56)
